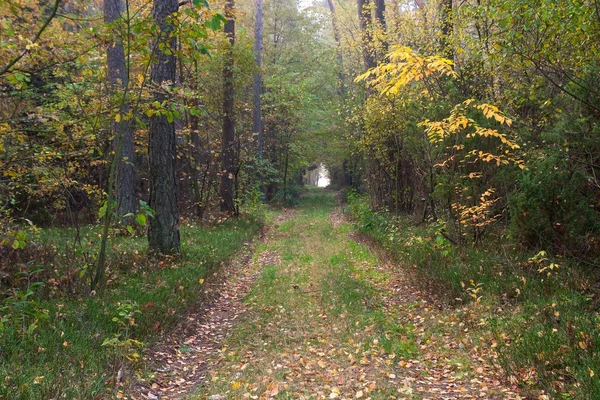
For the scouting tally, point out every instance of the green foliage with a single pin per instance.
(540, 310)
(121, 341)
(20, 311)
(287, 195)
(143, 298)
(551, 208)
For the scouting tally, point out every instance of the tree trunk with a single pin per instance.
(395, 20)
(163, 233)
(447, 29)
(365, 22)
(118, 79)
(338, 49)
(228, 140)
(257, 122)
(381, 25)
(196, 145)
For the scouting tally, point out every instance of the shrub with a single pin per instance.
(551, 208)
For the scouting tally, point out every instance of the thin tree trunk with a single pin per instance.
(257, 122)
(122, 128)
(338, 49)
(228, 140)
(285, 174)
(196, 146)
(163, 233)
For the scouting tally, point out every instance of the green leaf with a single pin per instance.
(19, 244)
(141, 219)
(215, 22)
(102, 211)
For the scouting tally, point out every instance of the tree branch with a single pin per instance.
(35, 39)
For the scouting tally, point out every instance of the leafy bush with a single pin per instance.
(287, 195)
(551, 208)
(540, 309)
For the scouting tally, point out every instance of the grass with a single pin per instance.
(316, 323)
(62, 355)
(543, 323)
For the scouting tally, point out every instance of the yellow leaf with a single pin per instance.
(118, 118)
(38, 379)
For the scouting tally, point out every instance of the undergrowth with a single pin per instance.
(57, 341)
(542, 312)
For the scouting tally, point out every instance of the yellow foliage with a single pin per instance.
(404, 68)
(458, 123)
(479, 215)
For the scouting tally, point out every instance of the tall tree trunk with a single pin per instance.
(163, 233)
(118, 79)
(338, 48)
(196, 145)
(365, 21)
(381, 25)
(394, 13)
(228, 139)
(257, 123)
(447, 29)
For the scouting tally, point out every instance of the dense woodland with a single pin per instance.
(138, 134)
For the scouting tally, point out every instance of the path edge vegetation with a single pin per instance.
(92, 346)
(535, 310)
(487, 128)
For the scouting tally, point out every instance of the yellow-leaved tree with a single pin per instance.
(464, 150)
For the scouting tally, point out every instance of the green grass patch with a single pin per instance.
(56, 344)
(317, 309)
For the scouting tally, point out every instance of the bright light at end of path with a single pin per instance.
(324, 180)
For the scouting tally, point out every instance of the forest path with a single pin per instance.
(323, 317)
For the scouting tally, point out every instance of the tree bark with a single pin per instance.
(447, 29)
(381, 24)
(257, 122)
(365, 21)
(338, 49)
(118, 79)
(228, 138)
(163, 233)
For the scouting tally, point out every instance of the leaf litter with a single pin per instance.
(301, 339)
(180, 361)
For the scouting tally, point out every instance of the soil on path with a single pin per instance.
(315, 314)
